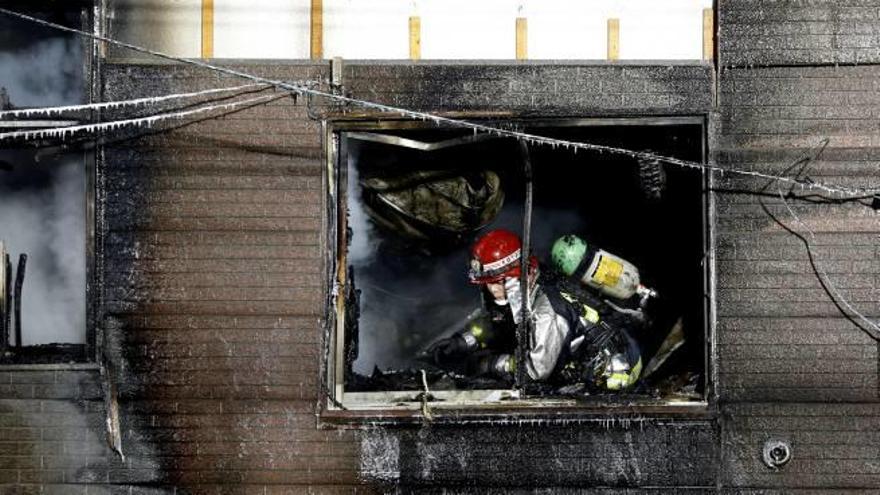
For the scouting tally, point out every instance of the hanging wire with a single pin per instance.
(152, 100)
(440, 120)
(63, 132)
(800, 166)
(870, 328)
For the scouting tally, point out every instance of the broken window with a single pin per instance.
(43, 192)
(426, 312)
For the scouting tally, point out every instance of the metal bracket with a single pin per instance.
(419, 145)
(776, 454)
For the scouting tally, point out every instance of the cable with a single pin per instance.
(521, 136)
(49, 111)
(873, 329)
(63, 132)
(830, 289)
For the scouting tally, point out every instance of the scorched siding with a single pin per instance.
(787, 358)
(213, 245)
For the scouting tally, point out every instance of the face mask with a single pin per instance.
(514, 297)
(497, 294)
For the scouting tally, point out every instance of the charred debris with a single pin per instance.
(12, 292)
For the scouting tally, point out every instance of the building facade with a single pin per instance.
(213, 287)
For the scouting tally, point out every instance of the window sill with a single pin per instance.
(51, 367)
(524, 411)
(63, 356)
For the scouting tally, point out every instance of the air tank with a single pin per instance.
(596, 268)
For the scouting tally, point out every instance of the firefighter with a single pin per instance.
(568, 342)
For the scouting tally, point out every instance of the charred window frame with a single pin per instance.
(64, 355)
(337, 402)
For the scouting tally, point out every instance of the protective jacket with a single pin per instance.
(568, 341)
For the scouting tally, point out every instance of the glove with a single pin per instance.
(445, 350)
(485, 363)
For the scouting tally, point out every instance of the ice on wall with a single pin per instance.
(380, 456)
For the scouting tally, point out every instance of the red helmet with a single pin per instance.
(496, 256)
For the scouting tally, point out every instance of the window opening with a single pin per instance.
(43, 195)
(417, 201)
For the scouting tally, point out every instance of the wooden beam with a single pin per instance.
(207, 28)
(613, 39)
(708, 34)
(522, 38)
(317, 30)
(415, 38)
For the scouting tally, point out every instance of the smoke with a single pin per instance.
(48, 223)
(407, 297)
(42, 196)
(45, 73)
(360, 250)
(412, 295)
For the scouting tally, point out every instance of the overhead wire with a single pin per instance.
(441, 120)
(151, 100)
(870, 328)
(523, 137)
(63, 132)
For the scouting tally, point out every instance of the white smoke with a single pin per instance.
(360, 249)
(48, 224)
(45, 73)
(400, 312)
(42, 204)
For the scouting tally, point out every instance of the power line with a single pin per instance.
(871, 328)
(440, 120)
(800, 167)
(62, 132)
(151, 100)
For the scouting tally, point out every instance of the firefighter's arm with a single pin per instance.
(486, 363)
(545, 346)
(479, 333)
(545, 343)
(476, 335)
(446, 351)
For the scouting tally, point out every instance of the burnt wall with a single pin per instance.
(756, 32)
(660, 452)
(214, 290)
(791, 366)
(214, 293)
(51, 430)
(212, 261)
(534, 89)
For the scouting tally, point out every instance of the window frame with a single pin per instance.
(90, 355)
(508, 403)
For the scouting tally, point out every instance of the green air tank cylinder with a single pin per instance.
(596, 268)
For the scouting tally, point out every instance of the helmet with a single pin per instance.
(496, 256)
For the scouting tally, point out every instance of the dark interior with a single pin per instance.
(415, 291)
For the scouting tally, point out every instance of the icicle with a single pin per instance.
(152, 100)
(118, 124)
